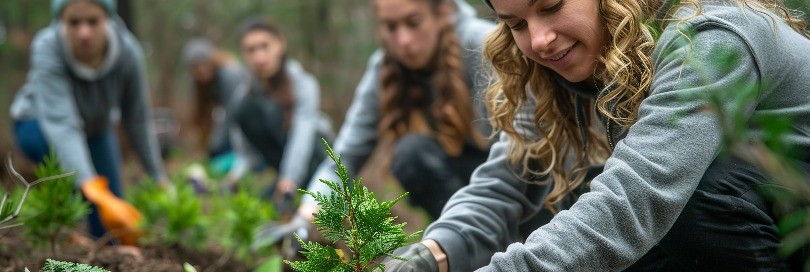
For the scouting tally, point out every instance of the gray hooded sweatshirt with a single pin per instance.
(72, 102)
(652, 171)
(358, 136)
(306, 124)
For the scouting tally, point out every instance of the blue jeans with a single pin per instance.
(104, 151)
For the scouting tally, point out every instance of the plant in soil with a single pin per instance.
(58, 266)
(239, 215)
(8, 213)
(171, 215)
(351, 215)
(52, 207)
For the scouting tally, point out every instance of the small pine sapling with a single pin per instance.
(172, 214)
(352, 215)
(8, 213)
(53, 206)
(59, 266)
(241, 214)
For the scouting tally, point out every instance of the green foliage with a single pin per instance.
(352, 215)
(6, 205)
(59, 266)
(172, 215)
(8, 214)
(239, 215)
(188, 268)
(52, 206)
(272, 264)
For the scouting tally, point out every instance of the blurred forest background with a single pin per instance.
(332, 38)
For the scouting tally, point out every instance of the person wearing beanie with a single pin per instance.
(85, 66)
(218, 81)
(57, 6)
(646, 93)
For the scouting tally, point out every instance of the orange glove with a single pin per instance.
(118, 217)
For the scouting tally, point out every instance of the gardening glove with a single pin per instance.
(273, 232)
(418, 256)
(118, 217)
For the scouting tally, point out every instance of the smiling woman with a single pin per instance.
(599, 105)
(568, 40)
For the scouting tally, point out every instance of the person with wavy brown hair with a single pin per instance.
(603, 119)
(417, 97)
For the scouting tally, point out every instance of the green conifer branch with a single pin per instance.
(351, 214)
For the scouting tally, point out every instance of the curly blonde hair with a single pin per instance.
(625, 69)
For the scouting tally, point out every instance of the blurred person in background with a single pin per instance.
(278, 123)
(417, 96)
(216, 76)
(84, 65)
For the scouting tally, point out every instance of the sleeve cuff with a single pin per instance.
(454, 246)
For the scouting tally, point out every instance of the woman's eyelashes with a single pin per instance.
(546, 10)
(553, 8)
(518, 25)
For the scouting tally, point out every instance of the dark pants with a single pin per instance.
(725, 226)
(430, 175)
(262, 122)
(104, 151)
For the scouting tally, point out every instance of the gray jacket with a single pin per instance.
(358, 135)
(72, 102)
(306, 123)
(652, 171)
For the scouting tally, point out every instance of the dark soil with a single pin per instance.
(15, 255)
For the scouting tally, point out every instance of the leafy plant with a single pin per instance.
(7, 212)
(59, 266)
(53, 206)
(241, 214)
(352, 215)
(188, 268)
(172, 214)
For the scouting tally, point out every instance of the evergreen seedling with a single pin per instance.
(7, 211)
(172, 214)
(350, 214)
(53, 206)
(58, 266)
(241, 214)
